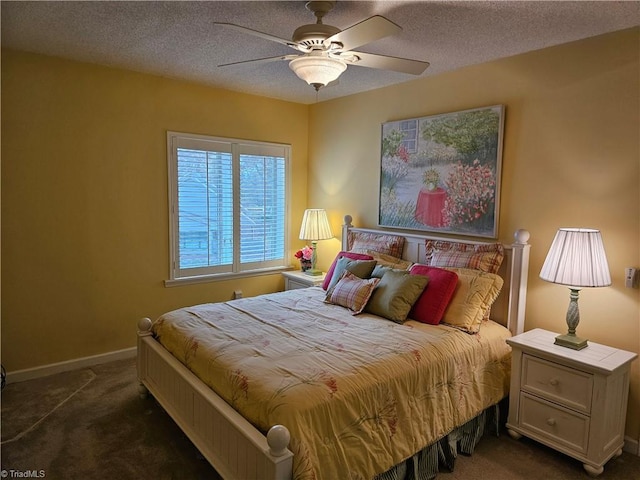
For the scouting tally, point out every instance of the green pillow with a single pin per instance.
(360, 268)
(395, 295)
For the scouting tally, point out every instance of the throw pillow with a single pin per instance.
(351, 255)
(351, 292)
(395, 295)
(481, 256)
(360, 268)
(430, 306)
(475, 293)
(386, 244)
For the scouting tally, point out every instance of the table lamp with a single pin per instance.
(576, 259)
(315, 226)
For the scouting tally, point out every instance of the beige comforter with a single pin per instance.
(359, 394)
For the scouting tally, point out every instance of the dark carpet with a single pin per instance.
(92, 424)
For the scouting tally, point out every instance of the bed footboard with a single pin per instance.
(233, 446)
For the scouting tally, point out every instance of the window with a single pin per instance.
(410, 139)
(228, 202)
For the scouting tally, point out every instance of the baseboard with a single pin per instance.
(51, 369)
(631, 445)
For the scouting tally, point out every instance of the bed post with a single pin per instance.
(518, 275)
(229, 442)
(144, 330)
(345, 231)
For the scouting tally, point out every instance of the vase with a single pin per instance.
(305, 265)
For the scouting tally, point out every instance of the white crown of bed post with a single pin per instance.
(509, 308)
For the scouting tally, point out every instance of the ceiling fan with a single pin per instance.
(326, 50)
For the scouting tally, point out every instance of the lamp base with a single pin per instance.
(313, 272)
(571, 341)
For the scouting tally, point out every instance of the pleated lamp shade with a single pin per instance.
(577, 258)
(315, 225)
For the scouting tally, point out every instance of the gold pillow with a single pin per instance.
(474, 294)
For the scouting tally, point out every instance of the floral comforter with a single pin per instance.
(359, 394)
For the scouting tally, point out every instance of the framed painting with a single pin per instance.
(441, 173)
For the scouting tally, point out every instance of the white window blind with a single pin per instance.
(228, 205)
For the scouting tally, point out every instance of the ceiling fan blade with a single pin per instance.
(403, 65)
(373, 28)
(262, 60)
(256, 33)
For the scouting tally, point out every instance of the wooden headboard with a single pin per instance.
(509, 308)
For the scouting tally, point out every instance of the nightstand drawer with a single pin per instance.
(293, 285)
(556, 424)
(297, 279)
(571, 388)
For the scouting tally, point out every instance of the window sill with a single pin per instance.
(178, 282)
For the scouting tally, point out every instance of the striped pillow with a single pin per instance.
(352, 292)
(486, 257)
(387, 244)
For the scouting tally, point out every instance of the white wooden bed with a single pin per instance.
(233, 446)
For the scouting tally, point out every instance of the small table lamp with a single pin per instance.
(315, 226)
(576, 259)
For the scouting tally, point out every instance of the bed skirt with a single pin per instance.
(425, 464)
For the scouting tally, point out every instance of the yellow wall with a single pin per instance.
(571, 158)
(85, 245)
(84, 184)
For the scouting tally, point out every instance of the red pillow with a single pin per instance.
(433, 302)
(351, 255)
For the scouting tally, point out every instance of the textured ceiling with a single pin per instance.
(178, 39)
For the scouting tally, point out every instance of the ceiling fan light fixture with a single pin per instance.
(317, 70)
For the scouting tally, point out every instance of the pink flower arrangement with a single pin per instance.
(304, 254)
(470, 190)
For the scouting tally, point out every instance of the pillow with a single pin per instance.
(480, 256)
(379, 271)
(475, 293)
(361, 242)
(352, 255)
(351, 292)
(360, 268)
(395, 295)
(430, 306)
(389, 261)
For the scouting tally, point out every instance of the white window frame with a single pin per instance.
(236, 147)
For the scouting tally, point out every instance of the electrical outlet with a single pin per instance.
(631, 277)
(237, 294)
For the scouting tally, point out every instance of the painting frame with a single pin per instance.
(442, 173)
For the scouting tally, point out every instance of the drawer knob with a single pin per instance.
(551, 422)
(554, 382)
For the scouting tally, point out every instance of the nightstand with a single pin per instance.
(298, 279)
(574, 401)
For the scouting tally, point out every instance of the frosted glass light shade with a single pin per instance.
(315, 225)
(317, 70)
(577, 259)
